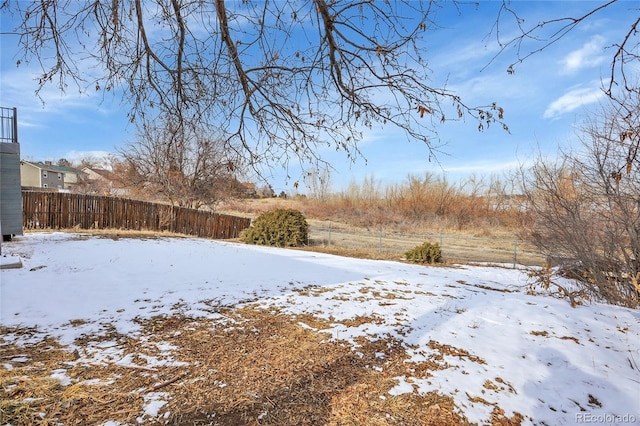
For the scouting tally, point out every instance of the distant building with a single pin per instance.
(248, 190)
(41, 175)
(46, 175)
(73, 178)
(103, 181)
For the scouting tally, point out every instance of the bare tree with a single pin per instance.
(537, 37)
(318, 182)
(265, 191)
(276, 79)
(586, 207)
(179, 164)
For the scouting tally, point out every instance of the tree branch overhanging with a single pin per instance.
(277, 80)
(626, 50)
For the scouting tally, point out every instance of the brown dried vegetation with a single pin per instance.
(247, 366)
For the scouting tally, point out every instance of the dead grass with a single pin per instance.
(385, 231)
(114, 234)
(252, 367)
(351, 252)
(420, 203)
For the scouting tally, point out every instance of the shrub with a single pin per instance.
(425, 253)
(280, 228)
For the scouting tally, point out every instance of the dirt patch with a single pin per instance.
(249, 366)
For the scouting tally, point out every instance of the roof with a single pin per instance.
(67, 169)
(50, 167)
(106, 174)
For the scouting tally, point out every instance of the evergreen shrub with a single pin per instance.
(424, 253)
(279, 228)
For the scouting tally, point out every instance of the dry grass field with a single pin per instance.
(346, 235)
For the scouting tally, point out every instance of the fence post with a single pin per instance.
(329, 242)
(515, 253)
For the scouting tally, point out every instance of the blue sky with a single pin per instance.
(544, 100)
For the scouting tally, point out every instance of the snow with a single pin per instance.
(61, 375)
(8, 262)
(541, 357)
(154, 401)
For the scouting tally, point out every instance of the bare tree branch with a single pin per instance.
(626, 50)
(278, 81)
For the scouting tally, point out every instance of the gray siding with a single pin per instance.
(51, 179)
(10, 191)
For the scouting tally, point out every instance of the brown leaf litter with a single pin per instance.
(251, 366)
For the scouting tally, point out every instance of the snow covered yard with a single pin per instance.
(172, 330)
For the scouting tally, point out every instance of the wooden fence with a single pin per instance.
(55, 210)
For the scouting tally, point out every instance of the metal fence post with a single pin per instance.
(515, 253)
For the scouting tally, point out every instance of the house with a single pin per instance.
(248, 190)
(50, 176)
(42, 175)
(103, 181)
(73, 178)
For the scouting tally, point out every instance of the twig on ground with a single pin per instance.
(166, 382)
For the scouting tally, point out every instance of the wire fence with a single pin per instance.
(455, 248)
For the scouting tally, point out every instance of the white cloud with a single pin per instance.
(20, 84)
(572, 100)
(100, 158)
(484, 167)
(589, 55)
